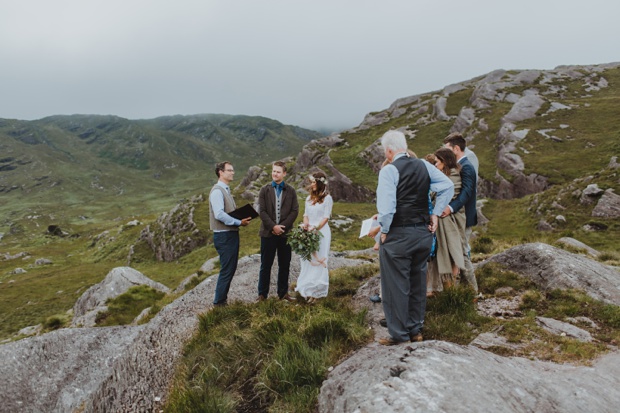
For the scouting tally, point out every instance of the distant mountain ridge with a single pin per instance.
(88, 158)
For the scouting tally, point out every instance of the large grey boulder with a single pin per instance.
(590, 194)
(57, 371)
(525, 108)
(438, 376)
(117, 282)
(118, 369)
(608, 205)
(143, 374)
(561, 328)
(572, 242)
(551, 268)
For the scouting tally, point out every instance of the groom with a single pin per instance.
(278, 209)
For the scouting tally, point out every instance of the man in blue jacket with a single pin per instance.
(466, 199)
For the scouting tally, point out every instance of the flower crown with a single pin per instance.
(322, 179)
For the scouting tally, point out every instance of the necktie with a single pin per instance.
(278, 187)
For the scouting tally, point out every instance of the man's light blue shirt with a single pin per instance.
(216, 199)
(386, 192)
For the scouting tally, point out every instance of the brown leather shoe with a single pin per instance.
(289, 298)
(389, 341)
(261, 298)
(414, 338)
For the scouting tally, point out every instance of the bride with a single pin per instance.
(313, 281)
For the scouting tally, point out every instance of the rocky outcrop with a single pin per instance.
(551, 268)
(117, 282)
(118, 369)
(58, 371)
(314, 157)
(560, 328)
(438, 376)
(590, 194)
(175, 233)
(134, 366)
(608, 205)
(572, 242)
(373, 156)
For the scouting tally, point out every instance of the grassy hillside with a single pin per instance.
(573, 135)
(93, 174)
(105, 166)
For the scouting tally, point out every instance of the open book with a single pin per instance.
(244, 212)
(367, 225)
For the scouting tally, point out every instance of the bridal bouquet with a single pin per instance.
(304, 242)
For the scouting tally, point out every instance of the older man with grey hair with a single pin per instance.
(406, 235)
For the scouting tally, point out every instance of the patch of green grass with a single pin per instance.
(126, 307)
(584, 139)
(511, 220)
(451, 316)
(268, 356)
(562, 305)
(493, 276)
(48, 290)
(346, 280)
(457, 101)
(56, 321)
(482, 245)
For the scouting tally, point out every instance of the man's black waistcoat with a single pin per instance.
(411, 192)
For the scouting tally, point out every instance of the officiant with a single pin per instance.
(225, 229)
(278, 209)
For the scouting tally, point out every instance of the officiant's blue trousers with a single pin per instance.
(227, 245)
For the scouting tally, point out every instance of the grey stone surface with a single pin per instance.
(118, 281)
(119, 369)
(486, 340)
(143, 374)
(608, 205)
(525, 108)
(437, 376)
(579, 245)
(439, 109)
(564, 329)
(551, 268)
(590, 194)
(58, 371)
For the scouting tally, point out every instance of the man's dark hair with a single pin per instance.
(456, 139)
(281, 165)
(221, 166)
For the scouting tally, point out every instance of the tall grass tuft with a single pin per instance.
(267, 356)
(451, 316)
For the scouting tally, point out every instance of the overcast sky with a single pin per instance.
(314, 63)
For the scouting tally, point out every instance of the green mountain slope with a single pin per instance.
(573, 132)
(542, 136)
(106, 164)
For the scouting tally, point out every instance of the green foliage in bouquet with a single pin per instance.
(304, 242)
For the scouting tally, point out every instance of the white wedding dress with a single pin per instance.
(313, 280)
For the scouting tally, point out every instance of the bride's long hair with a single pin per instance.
(317, 196)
